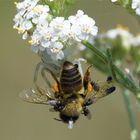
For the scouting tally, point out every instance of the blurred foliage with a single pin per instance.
(58, 7)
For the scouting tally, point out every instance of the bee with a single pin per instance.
(72, 94)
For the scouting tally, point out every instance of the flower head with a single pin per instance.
(52, 34)
(114, 0)
(83, 26)
(136, 5)
(123, 33)
(29, 14)
(136, 41)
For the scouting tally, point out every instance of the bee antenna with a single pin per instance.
(57, 119)
(70, 124)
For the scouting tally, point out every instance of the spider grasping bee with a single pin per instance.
(72, 93)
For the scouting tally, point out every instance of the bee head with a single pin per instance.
(66, 118)
(71, 112)
(70, 120)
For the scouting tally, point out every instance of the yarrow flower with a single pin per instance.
(121, 32)
(128, 39)
(136, 41)
(83, 26)
(114, 0)
(136, 6)
(52, 34)
(29, 14)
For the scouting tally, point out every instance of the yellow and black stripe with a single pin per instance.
(70, 79)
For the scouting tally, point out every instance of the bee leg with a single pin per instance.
(87, 74)
(109, 79)
(87, 81)
(88, 102)
(95, 86)
(86, 112)
(59, 106)
(88, 90)
(56, 90)
(110, 90)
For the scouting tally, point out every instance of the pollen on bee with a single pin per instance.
(56, 90)
(89, 88)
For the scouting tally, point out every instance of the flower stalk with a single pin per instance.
(125, 81)
(118, 75)
(131, 118)
(51, 32)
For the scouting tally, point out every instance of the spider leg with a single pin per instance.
(38, 67)
(43, 74)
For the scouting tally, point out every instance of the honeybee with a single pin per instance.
(72, 94)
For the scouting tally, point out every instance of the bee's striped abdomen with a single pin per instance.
(70, 80)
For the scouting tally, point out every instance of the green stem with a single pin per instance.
(118, 75)
(131, 118)
(96, 51)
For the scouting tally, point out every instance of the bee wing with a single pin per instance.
(30, 95)
(105, 88)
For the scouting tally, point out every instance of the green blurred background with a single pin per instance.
(23, 121)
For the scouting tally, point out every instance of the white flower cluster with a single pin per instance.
(114, 0)
(128, 39)
(52, 34)
(135, 41)
(29, 14)
(125, 35)
(136, 6)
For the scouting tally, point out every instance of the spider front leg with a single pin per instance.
(46, 69)
(40, 66)
(44, 76)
